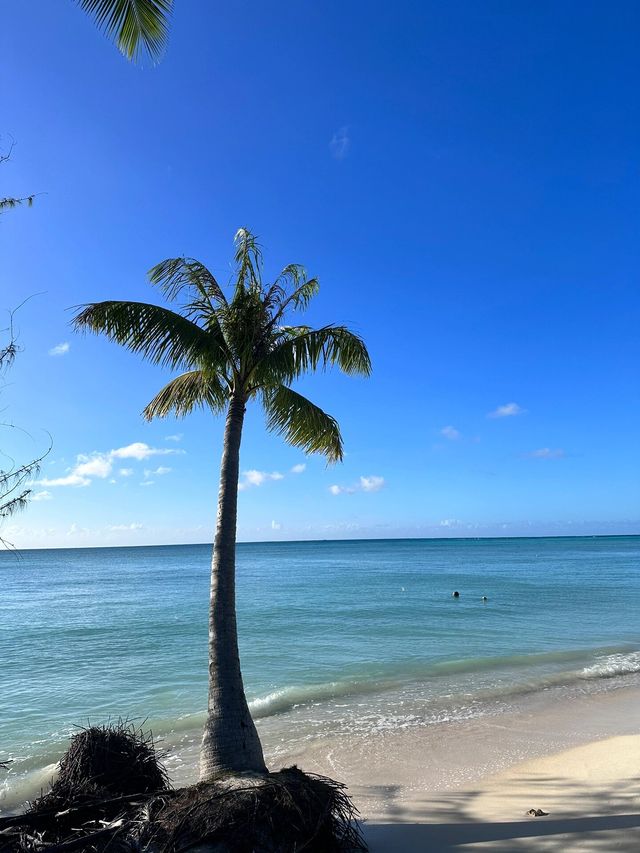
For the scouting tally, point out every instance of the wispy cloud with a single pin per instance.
(139, 450)
(364, 484)
(176, 437)
(299, 468)
(60, 349)
(547, 453)
(340, 143)
(509, 410)
(160, 471)
(43, 495)
(275, 525)
(451, 433)
(69, 480)
(257, 478)
(100, 465)
(341, 490)
(371, 484)
(133, 526)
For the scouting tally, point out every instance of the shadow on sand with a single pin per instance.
(581, 819)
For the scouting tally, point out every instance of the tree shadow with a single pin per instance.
(582, 817)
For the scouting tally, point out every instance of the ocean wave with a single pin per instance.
(613, 665)
(285, 699)
(610, 661)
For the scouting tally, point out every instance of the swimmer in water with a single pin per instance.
(455, 594)
(484, 598)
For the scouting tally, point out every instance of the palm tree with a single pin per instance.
(233, 352)
(136, 26)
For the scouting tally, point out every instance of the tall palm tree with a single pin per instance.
(233, 352)
(136, 26)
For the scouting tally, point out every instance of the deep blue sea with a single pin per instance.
(358, 633)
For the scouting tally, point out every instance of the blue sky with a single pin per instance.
(462, 177)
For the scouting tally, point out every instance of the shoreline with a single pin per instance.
(424, 755)
(467, 784)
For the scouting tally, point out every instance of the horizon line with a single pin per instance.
(15, 550)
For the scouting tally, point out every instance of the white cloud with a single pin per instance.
(340, 490)
(139, 450)
(75, 530)
(450, 522)
(176, 437)
(275, 525)
(547, 453)
(100, 465)
(509, 410)
(371, 484)
(60, 349)
(97, 465)
(451, 433)
(44, 495)
(257, 478)
(114, 527)
(159, 471)
(365, 484)
(70, 480)
(147, 483)
(299, 468)
(340, 143)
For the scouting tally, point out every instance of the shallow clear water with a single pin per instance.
(362, 634)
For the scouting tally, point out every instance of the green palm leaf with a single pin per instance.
(182, 395)
(295, 276)
(302, 423)
(158, 334)
(174, 275)
(136, 26)
(301, 349)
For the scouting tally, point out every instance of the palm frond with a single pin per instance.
(248, 258)
(173, 275)
(158, 334)
(197, 388)
(302, 423)
(295, 276)
(136, 26)
(301, 349)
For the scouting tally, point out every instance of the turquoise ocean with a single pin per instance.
(342, 636)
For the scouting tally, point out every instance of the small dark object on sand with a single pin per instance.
(455, 594)
(536, 813)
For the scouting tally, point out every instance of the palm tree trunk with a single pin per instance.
(230, 742)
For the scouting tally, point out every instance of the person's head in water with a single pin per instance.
(455, 594)
(484, 598)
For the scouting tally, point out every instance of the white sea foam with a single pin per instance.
(613, 665)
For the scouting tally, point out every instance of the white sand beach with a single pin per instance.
(591, 794)
(468, 786)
